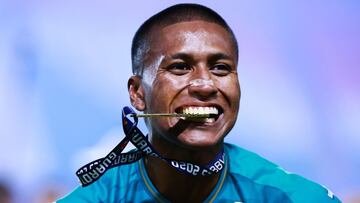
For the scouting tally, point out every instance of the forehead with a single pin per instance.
(193, 36)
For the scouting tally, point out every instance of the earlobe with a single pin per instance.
(136, 92)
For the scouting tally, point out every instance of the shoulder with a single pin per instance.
(116, 180)
(246, 164)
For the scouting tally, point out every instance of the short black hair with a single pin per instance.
(174, 14)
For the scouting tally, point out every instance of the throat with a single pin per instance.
(178, 187)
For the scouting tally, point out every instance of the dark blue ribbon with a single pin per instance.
(95, 169)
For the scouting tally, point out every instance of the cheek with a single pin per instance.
(165, 90)
(230, 87)
(169, 83)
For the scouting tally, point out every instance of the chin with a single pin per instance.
(199, 140)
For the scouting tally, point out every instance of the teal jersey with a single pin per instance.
(246, 177)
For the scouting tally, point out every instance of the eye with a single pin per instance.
(179, 68)
(221, 69)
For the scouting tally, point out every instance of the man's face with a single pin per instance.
(179, 54)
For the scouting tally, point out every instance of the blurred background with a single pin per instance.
(64, 67)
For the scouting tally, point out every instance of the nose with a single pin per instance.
(202, 86)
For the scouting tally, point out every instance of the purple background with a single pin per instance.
(64, 67)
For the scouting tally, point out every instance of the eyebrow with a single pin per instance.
(218, 56)
(212, 57)
(181, 55)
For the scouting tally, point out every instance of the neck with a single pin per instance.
(174, 185)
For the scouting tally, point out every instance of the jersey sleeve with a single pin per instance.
(90, 193)
(98, 191)
(266, 173)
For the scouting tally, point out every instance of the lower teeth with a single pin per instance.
(209, 120)
(204, 120)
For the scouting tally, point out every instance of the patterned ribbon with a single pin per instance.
(95, 169)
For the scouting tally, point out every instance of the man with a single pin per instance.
(185, 62)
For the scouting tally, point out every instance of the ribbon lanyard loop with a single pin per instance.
(127, 124)
(95, 169)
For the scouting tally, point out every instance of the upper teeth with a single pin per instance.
(200, 110)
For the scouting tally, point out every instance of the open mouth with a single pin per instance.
(201, 114)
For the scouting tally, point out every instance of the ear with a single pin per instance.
(136, 92)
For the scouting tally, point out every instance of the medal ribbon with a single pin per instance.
(92, 171)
